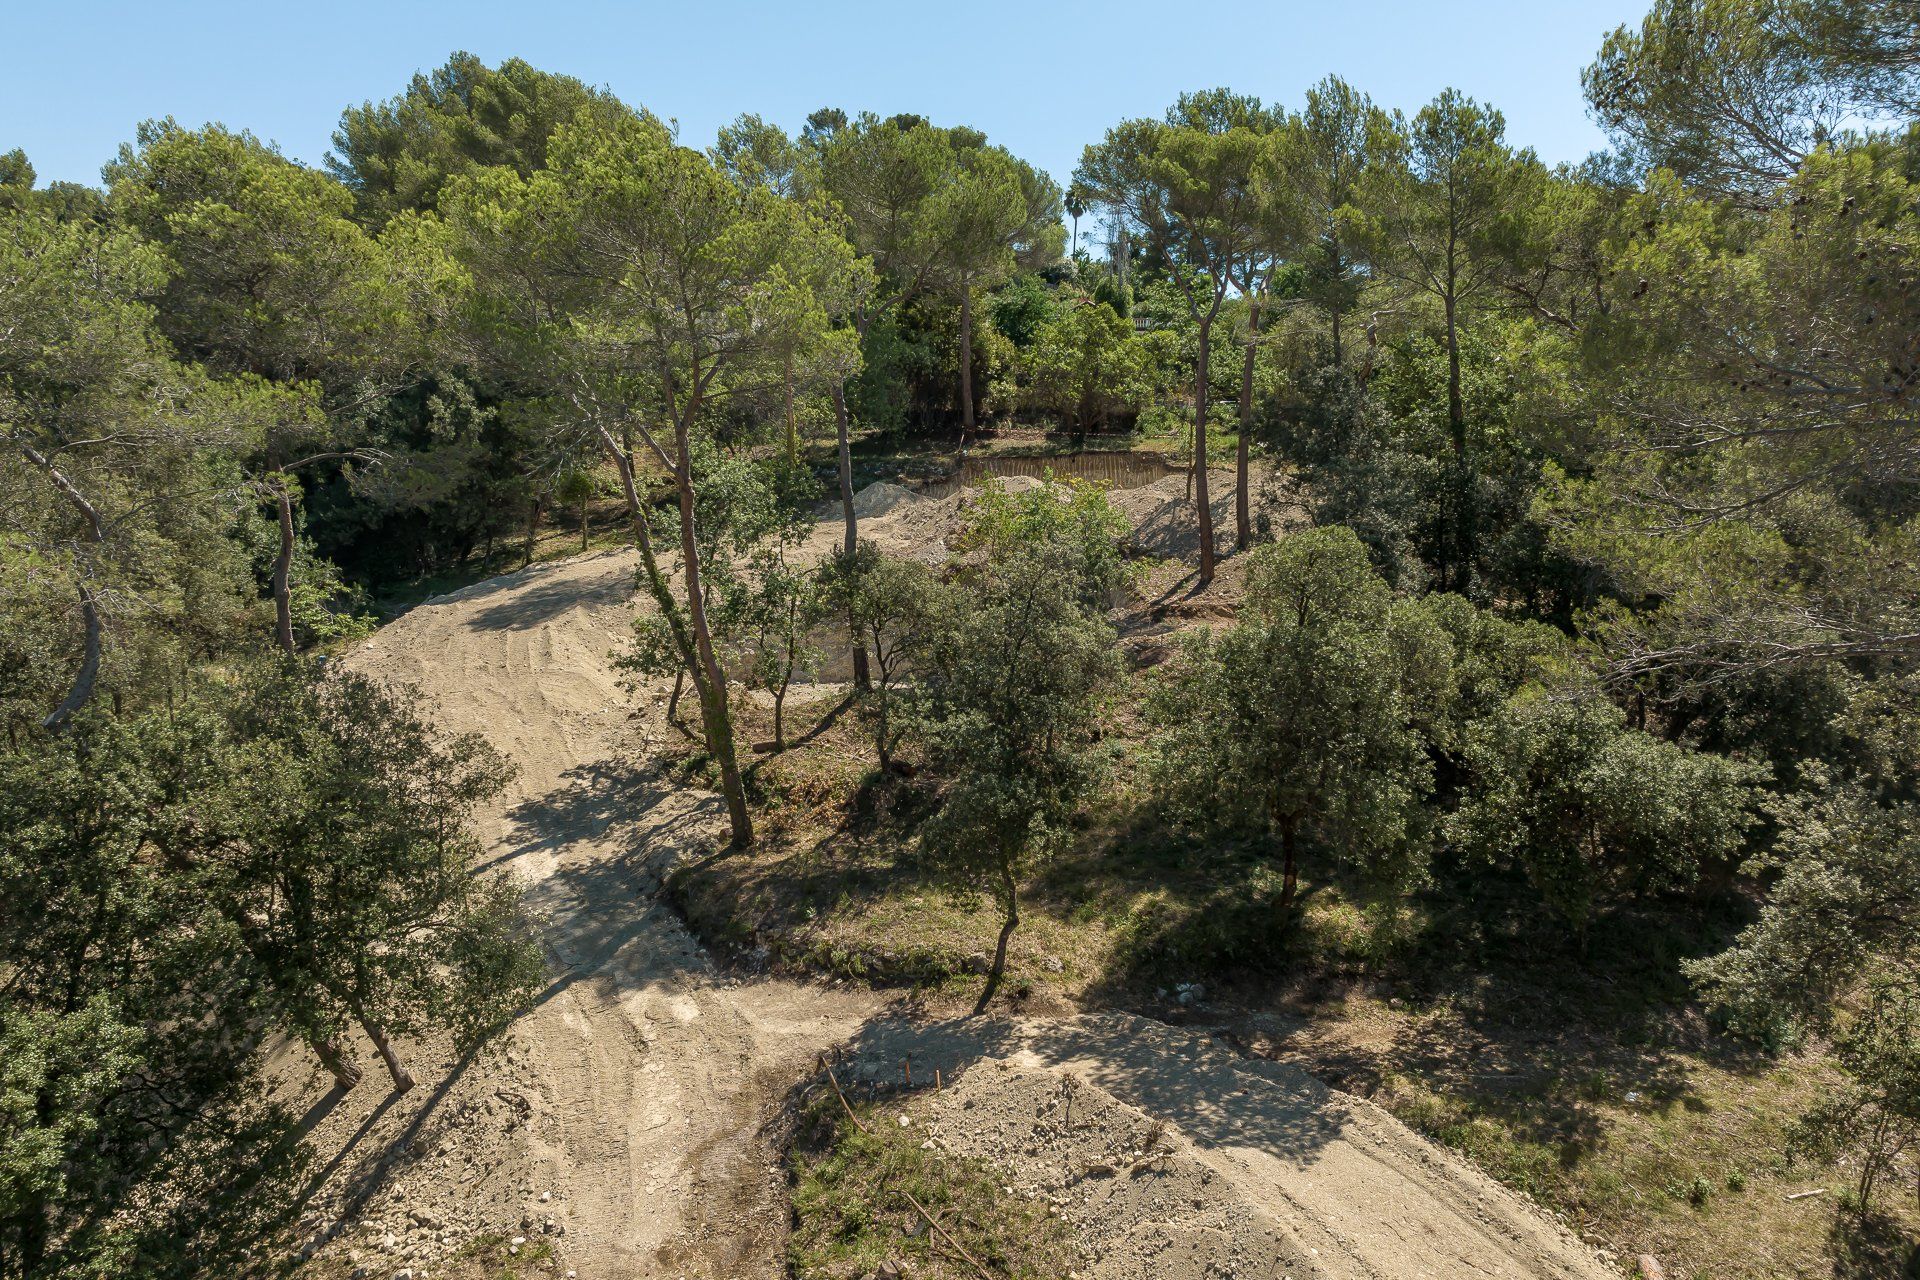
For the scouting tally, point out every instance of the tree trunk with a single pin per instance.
(1242, 505)
(81, 691)
(793, 423)
(709, 681)
(966, 364)
(999, 968)
(402, 1079)
(583, 524)
(862, 680)
(345, 1074)
(1290, 871)
(1203, 509)
(283, 570)
(1457, 564)
(533, 532)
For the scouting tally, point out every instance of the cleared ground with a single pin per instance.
(621, 1127)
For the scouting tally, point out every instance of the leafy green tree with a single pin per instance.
(1440, 212)
(775, 607)
(644, 288)
(1304, 721)
(341, 855)
(276, 282)
(1589, 808)
(1734, 96)
(1875, 1116)
(1312, 176)
(1011, 688)
(111, 446)
(1088, 365)
(131, 1139)
(399, 155)
(893, 608)
(988, 218)
(1762, 375)
(1190, 191)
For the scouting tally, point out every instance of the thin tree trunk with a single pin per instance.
(862, 679)
(1458, 559)
(345, 1074)
(709, 681)
(1290, 871)
(1000, 950)
(1203, 511)
(533, 532)
(966, 364)
(583, 524)
(793, 424)
(402, 1078)
(283, 570)
(81, 691)
(1242, 505)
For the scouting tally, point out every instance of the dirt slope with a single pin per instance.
(620, 1122)
(1268, 1171)
(641, 1078)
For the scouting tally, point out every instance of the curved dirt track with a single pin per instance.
(649, 1071)
(637, 1089)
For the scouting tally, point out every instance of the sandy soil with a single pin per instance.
(622, 1123)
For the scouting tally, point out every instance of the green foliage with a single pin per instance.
(1562, 788)
(1011, 688)
(340, 852)
(1088, 365)
(400, 154)
(1021, 309)
(894, 608)
(1875, 1117)
(1303, 721)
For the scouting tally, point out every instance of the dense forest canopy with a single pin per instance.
(1613, 468)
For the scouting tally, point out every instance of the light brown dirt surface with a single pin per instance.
(1173, 1156)
(619, 1128)
(633, 1095)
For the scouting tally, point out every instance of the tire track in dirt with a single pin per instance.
(649, 1072)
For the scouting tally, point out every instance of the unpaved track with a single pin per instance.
(651, 1074)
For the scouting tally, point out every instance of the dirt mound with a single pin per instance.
(1166, 521)
(881, 497)
(1142, 1204)
(1260, 1169)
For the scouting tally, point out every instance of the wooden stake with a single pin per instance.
(944, 1235)
(844, 1104)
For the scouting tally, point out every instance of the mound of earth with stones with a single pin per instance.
(1174, 1158)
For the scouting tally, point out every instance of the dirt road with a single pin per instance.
(646, 1074)
(620, 1124)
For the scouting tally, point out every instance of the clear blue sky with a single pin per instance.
(1039, 76)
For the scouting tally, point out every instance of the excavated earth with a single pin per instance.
(620, 1128)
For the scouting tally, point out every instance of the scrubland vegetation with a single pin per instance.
(1551, 778)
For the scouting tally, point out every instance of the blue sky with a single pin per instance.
(1043, 78)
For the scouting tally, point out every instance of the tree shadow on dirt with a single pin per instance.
(613, 831)
(520, 605)
(1504, 1011)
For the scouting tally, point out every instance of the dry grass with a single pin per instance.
(1590, 1082)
